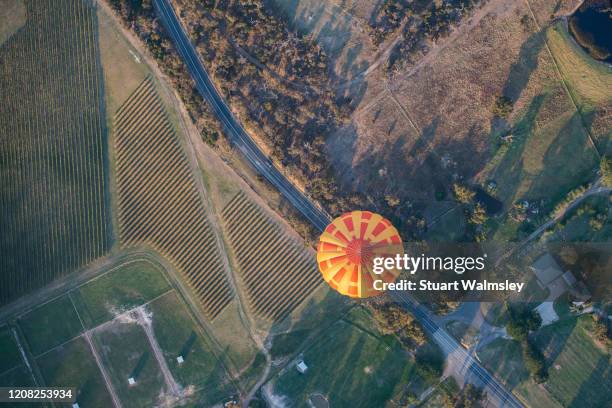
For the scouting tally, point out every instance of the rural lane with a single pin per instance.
(319, 218)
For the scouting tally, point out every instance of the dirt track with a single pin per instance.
(145, 321)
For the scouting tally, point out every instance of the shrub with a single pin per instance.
(502, 107)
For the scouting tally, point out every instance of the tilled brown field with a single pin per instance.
(159, 203)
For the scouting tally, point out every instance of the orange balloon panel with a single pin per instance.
(347, 248)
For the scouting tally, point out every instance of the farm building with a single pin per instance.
(180, 360)
(131, 381)
(301, 366)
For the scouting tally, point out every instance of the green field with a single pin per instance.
(120, 290)
(510, 369)
(176, 335)
(576, 227)
(579, 370)
(50, 325)
(19, 376)
(545, 162)
(54, 215)
(351, 367)
(62, 357)
(126, 352)
(589, 80)
(322, 309)
(73, 365)
(9, 353)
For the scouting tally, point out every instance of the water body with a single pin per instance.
(591, 26)
(492, 205)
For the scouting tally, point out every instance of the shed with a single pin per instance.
(301, 366)
(180, 359)
(131, 381)
(569, 278)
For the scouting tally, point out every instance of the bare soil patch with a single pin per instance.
(13, 16)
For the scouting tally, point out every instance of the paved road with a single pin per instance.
(315, 215)
(470, 368)
(235, 131)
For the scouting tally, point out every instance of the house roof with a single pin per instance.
(546, 269)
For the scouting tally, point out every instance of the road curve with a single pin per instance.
(319, 218)
(235, 131)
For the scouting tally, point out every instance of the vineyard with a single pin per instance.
(53, 196)
(159, 204)
(278, 272)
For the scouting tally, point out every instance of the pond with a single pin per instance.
(591, 27)
(492, 205)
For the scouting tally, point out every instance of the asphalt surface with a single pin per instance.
(470, 367)
(238, 136)
(319, 218)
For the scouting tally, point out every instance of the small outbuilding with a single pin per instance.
(131, 381)
(180, 360)
(301, 366)
(568, 277)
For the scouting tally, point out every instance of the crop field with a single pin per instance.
(9, 353)
(159, 204)
(125, 288)
(126, 353)
(19, 376)
(277, 272)
(50, 325)
(174, 331)
(351, 367)
(511, 369)
(53, 148)
(109, 316)
(73, 365)
(579, 369)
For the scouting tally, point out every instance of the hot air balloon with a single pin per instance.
(347, 248)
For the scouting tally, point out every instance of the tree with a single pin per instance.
(534, 361)
(605, 168)
(479, 215)
(392, 319)
(392, 200)
(601, 331)
(463, 194)
(522, 320)
(470, 397)
(502, 107)
(429, 364)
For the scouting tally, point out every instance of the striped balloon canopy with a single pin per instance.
(347, 249)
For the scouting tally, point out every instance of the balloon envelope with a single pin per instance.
(347, 249)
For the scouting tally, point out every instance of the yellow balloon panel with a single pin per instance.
(347, 248)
